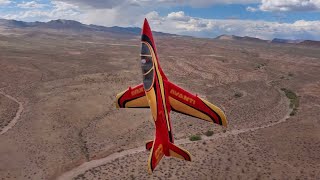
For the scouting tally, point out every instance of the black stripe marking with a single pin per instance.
(120, 99)
(151, 160)
(170, 132)
(219, 118)
(183, 113)
(142, 107)
(170, 136)
(147, 39)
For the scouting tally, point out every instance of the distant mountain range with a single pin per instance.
(274, 41)
(71, 25)
(76, 26)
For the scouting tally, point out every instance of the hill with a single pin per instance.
(70, 25)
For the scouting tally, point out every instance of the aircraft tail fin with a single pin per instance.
(178, 152)
(157, 153)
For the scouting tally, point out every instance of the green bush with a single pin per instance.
(208, 133)
(238, 94)
(195, 137)
(294, 100)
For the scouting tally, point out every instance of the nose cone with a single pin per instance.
(146, 28)
(146, 34)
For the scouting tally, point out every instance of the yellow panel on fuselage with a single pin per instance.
(152, 100)
(161, 83)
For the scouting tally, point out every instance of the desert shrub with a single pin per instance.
(208, 133)
(294, 100)
(195, 137)
(238, 94)
(260, 66)
(224, 131)
(132, 177)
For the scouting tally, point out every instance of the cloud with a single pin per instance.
(4, 2)
(59, 10)
(31, 5)
(114, 17)
(97, 4)
(213, 27)
(131, 13)
(252, 9)
(109, 4)
(287, 5)
(178, 16)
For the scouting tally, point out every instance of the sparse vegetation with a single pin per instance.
(204, 143)
(224, 131)
(290, 74)
(195, 137)
(260, 66)
(208, 133)
(294, 100)
(238, 94)
(132, 177)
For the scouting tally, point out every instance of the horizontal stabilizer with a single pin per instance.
(149, 145)
(178, 152)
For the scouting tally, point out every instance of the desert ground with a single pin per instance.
(58, 118)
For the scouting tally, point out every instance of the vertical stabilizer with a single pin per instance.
(157, 153)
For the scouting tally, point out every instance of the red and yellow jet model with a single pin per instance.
(161, 96)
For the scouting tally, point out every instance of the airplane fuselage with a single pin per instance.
(156, 91)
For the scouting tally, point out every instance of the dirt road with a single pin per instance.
(16, 117)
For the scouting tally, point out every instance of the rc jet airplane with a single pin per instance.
(161, 96)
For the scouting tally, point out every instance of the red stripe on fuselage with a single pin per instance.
(161, 123)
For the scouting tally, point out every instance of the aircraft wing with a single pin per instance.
(133, 97)
(186, 103)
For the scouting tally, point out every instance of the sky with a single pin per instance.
(265, 19)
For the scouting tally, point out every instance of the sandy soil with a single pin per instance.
(67, 87)
(87, 169)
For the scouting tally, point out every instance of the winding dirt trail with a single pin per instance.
(16, 117)
(95, 163)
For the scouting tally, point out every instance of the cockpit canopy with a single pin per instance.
(147, 66)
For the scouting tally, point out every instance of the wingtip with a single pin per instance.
(224, 120)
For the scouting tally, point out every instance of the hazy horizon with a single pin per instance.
(264, 19)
